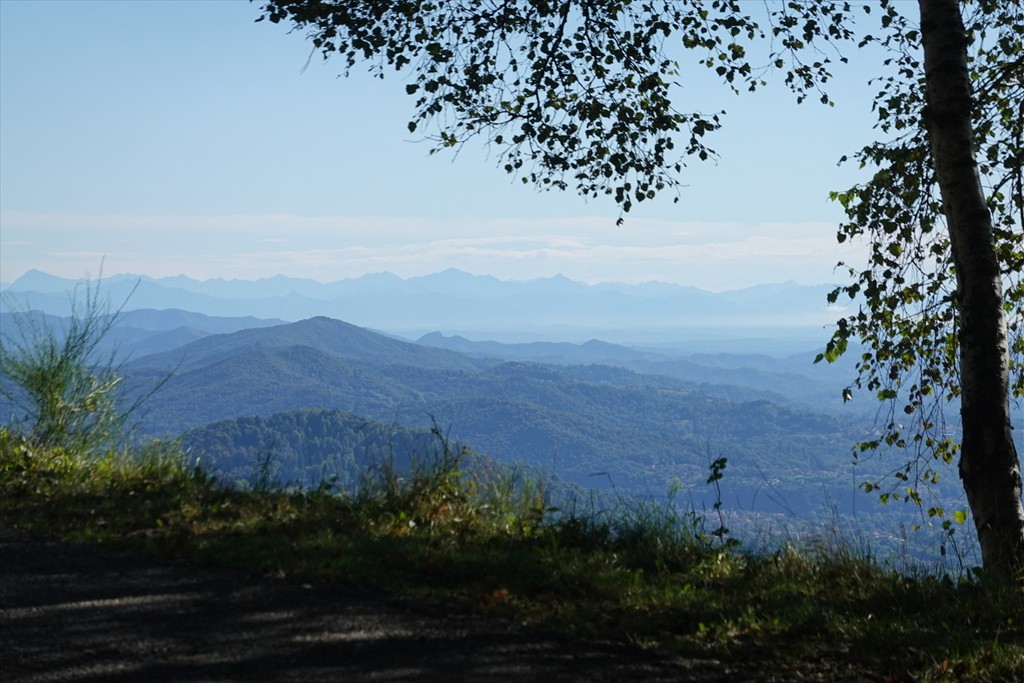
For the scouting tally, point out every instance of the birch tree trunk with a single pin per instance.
(989, 465)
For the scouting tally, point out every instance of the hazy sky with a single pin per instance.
(183, 138)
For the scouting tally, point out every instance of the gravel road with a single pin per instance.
(74, 612)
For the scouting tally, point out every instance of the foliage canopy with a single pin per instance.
(908, 292)
(581, 94)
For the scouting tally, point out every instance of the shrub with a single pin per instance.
(60, 391)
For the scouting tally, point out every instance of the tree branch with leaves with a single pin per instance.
(584, 95)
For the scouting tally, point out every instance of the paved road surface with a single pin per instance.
(72, 612)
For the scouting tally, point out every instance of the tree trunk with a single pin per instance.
(989, 464)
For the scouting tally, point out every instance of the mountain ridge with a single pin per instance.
(643, 429)
(454, 301)
(336, 337)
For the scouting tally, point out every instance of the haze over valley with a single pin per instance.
(619, 390)
(789, 316)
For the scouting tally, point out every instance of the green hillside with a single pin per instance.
(305, 448)
(641, 432)
(326, 335)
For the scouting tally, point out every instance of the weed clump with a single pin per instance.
(451, 492)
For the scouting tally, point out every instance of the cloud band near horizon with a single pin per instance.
(713, 256)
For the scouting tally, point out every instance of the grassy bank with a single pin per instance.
(643, 574)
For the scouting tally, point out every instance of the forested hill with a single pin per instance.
(306, 448)
(793, 376)
(325, 335)
(140, 331)
(636, 432)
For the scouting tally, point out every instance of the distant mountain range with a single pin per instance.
(455, 302)
(144, 331)
(629, 419)
(589, 424)
(794, 377)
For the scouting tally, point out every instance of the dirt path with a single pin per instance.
(71, 612)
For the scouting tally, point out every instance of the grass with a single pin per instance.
(485, 541)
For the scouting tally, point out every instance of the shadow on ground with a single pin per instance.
(73, 612)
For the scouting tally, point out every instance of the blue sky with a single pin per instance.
(181, 137)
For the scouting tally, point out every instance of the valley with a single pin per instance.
(320, 399)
